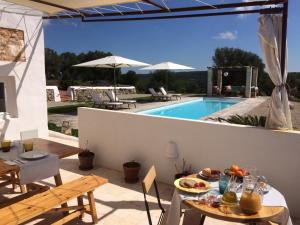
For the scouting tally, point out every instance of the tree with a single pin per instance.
(225, 57)
(162, 78)
(130, 78)
(52, 64)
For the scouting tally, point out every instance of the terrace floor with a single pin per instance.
(117, 202)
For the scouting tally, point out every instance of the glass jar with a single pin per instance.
(252, 195)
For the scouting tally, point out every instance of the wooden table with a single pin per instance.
(52, 147)
(267, 213)
(56, 148)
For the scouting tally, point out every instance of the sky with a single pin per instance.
(185, 41)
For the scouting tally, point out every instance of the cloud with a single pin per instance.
(227, 35)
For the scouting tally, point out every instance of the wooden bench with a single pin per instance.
(47, 201)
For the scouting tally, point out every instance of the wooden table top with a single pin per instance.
(59, 149)
(233, 213)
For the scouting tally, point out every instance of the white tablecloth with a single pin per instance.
(32, 170)
(272, 198)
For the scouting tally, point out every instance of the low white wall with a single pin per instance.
(25, 82)
(116, 137)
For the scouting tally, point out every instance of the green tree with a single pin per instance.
(162, 78)
(130, 78)
(52, 64)
(225, 57)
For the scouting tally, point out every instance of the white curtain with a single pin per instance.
(279, 116)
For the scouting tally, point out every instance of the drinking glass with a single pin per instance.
(251, 199)
(223, 182)
(5, 145)
(28, 146)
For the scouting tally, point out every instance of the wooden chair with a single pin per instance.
(147, 183)
(48, 201)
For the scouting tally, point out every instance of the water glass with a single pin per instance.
(223, 182)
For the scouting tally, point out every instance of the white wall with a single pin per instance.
(25, 81)
(116, 137)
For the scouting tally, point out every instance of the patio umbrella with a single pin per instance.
(279, 116)
(168, 66)
(112, 62)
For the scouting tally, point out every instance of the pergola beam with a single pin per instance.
(283, 38)
(182, 9)
(60, 7)
(155, 4)
(261, 11)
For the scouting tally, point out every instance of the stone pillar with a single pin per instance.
(209, 81)
(254, 76)
(220, 80)
(248, 82)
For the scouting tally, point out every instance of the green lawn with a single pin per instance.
(68, 109)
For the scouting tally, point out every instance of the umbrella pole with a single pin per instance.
(115, 89)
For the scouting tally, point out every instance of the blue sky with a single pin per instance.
(185, 41)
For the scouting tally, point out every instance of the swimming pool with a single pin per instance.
(195, 109)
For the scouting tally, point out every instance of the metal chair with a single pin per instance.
(147, 183)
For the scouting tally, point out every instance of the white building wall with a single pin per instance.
(117, 137)
(25, 81)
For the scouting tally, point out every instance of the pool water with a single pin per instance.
(195, 109)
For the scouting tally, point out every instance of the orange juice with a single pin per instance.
(28, 146)
(5, 145)
(250, 203)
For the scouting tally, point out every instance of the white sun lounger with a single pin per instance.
(158, 96)
(165, 93)
(98, 101)
(113, 98)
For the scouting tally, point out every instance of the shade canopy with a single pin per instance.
(112, 62)
(168, 66)
(55, 6)
(270, 33)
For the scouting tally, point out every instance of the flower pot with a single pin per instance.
(86, 160)
(180, 175)
(131, 171)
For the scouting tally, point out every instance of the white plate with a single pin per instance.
(33, 155)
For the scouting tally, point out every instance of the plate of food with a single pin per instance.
(33, 155)
(192, 185)
(210, 174)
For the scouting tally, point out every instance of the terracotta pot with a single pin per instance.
(131, 171)
(86, 160)
(180, 175)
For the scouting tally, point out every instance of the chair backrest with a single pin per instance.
(96, 97)
(149, 179)
(28, 134)
(153, 92)
(163, 91)
(147, 183)
(112, 97)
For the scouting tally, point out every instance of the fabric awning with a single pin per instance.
(73, 4)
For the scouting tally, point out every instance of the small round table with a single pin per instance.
(267, 213)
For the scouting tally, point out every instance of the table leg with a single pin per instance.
(58, 182)
(202, 220)
(80, 203)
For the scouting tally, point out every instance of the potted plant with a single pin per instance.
(183, 171)
(86, 159)
(131, 171)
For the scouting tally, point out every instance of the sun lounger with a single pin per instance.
(157, 96)
(164, 92)
(99, 102)
(113, 98)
